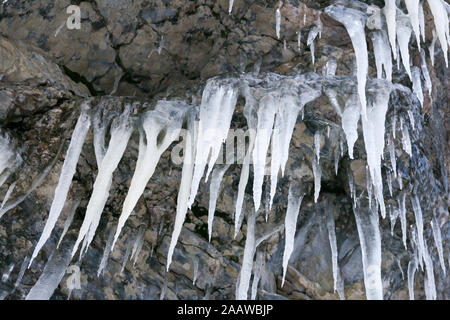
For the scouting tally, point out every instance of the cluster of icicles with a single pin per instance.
(272, 105)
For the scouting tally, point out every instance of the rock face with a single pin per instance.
(142, 51)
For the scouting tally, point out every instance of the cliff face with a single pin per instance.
(139, 52)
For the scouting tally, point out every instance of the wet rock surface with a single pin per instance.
(142, 51)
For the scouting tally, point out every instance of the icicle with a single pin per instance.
(126, 256)
(299, 36)
(373, 131)
(8, 194)
(338, 282)
(137, 247)
(216, 110)
(400, 180)
(312, 35)
(430, 285)
(394, 126)
(336, 161)
(350, 118)
(438, 242)
(106, 252)
(7, 273)
(422, 22)
(257, 274)
(278, 22)
(354, 22)
(391, 147)
(419, 225)
(230, 6)
(266, 114)
(382, 52)
(165, 119)
(413, 12)
(214, 188)
(185, 184)
(251, 121)
(317, 172)
(432, 46)
(389, 181)
(394, 213)
(406, 142)
(412, 267)
(52, 274)
(120, 134)
(23, 268)
(426, 74)
(290, 223)
(370, 239)
(441, 23)
(195, 262)
(69, 219)
(65, 179)
(162, 295)
(390, 11)
(284, 44)
(317, 145)
(402, 207)
(403, 36)
(247, 261)
(401, 269)
(417, 86)
(411, 118)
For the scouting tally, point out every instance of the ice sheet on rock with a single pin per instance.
(355, 21)
(413, 13)
(185, 183)
(69, 219)
(7, 273)
(290, 223)
(382, 52)
(216, 110)
(65, 179)
(120, 134)
(162, 127)
(417, 84)
(438, 242)
(127, 254)
(214, 189)
(441, 23)
(403, 35)
(370, 240)
(247, 261)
